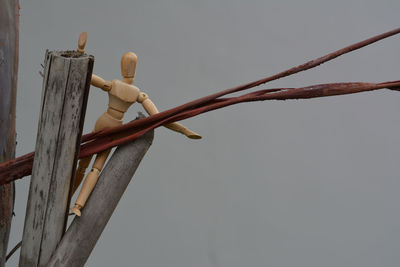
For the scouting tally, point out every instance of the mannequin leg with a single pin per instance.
(90, 182)
(80, 172)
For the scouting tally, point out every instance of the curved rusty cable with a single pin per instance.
(99, 141)
(308, 65)
(22, 166)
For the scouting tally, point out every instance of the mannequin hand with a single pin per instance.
(190, 134)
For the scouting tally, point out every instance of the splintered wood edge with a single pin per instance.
(71, 54)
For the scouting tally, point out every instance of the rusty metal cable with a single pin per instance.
(94, 143)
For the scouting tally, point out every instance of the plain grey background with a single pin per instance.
(294, 183)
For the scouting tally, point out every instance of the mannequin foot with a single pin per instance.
(77, 210)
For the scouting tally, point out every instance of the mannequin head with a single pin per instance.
(128, 66)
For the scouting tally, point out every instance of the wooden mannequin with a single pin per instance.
(122, 94)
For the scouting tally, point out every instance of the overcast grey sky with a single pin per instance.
(295, 183)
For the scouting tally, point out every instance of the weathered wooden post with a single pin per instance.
(64, 97)
(9, 22)
(82, 235)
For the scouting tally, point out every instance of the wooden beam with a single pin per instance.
(9, 29)
(82, 235)
(64, 98)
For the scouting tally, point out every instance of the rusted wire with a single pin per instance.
(308, 65)
(94, 143)
(314, 91)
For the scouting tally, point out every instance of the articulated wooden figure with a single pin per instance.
(122, 94)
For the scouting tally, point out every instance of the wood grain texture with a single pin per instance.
(9, 29)
(64, 98)
(82, 235)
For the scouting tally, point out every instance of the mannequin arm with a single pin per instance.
(82, 42)
(150, 108)
(99, 82)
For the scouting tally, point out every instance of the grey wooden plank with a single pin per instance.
(83, 233)
(66, 156)
(44, 159)
(9, 28)
(60, 128)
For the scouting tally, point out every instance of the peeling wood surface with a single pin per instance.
(64, 97)
(82, 235)
(9, 28)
